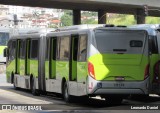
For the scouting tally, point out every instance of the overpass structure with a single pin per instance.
(135, 7)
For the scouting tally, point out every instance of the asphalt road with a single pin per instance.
(51, 103)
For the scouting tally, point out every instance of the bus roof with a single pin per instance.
(80, 27)
(94, 26)
(35, 30)
(150, 28)
(31, 31)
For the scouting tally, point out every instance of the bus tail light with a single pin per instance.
(91, 70)
(146, 74)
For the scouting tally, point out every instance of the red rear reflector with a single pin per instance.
(91, 70)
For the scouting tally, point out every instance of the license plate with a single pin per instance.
(119, 85)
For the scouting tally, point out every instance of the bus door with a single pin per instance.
(17, 56)
(52, 58)
(81, 59)
(22, 57)
(27, 56)
(73, 58)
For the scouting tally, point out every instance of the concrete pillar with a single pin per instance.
(76, 17)
(140, 17)
(101, 17)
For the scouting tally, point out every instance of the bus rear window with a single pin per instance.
(132, 41)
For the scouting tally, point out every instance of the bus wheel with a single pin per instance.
(14, 82)
(66, 96)
(34, 91)
(139, 96)
(15, 87)
(113, 100)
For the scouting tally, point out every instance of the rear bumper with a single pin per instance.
(117, 87)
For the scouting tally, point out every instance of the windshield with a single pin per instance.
(128, 41)
(4, 38)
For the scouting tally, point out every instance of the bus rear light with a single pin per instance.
(91, 70)
(146, 74)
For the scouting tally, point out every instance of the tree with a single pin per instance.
(89, 21)
(121, 19)
(152, 20)
(66, 20)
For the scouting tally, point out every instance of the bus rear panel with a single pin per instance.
(118, 62)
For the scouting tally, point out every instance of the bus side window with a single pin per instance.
(12, 50)
(9, 50)
(64, 48)
(82, 48)
(34, 49)
(22, 49)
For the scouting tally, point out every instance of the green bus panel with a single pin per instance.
(10, 68)
(62, 69)
(154, 58)
(22, 67)
(53, 69)
(109, 66)
(47, 69)
(74, 70)
(18, 57)
(81, 71)
(34, 67)
(27, 58)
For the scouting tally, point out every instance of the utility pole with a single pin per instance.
(15, 20)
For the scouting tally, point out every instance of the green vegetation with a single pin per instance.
(152, 20)
(119, 19)
(89, 21)
(66, 20)
(116, 19)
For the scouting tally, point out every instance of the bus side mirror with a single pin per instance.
(5, 52)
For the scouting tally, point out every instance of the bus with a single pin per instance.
(81, 61)
(4, 37)
(154, 42)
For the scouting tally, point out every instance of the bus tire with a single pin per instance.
(139, 96)
(66, 96)
(34, 91)
(12, 78)
(13, 82)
